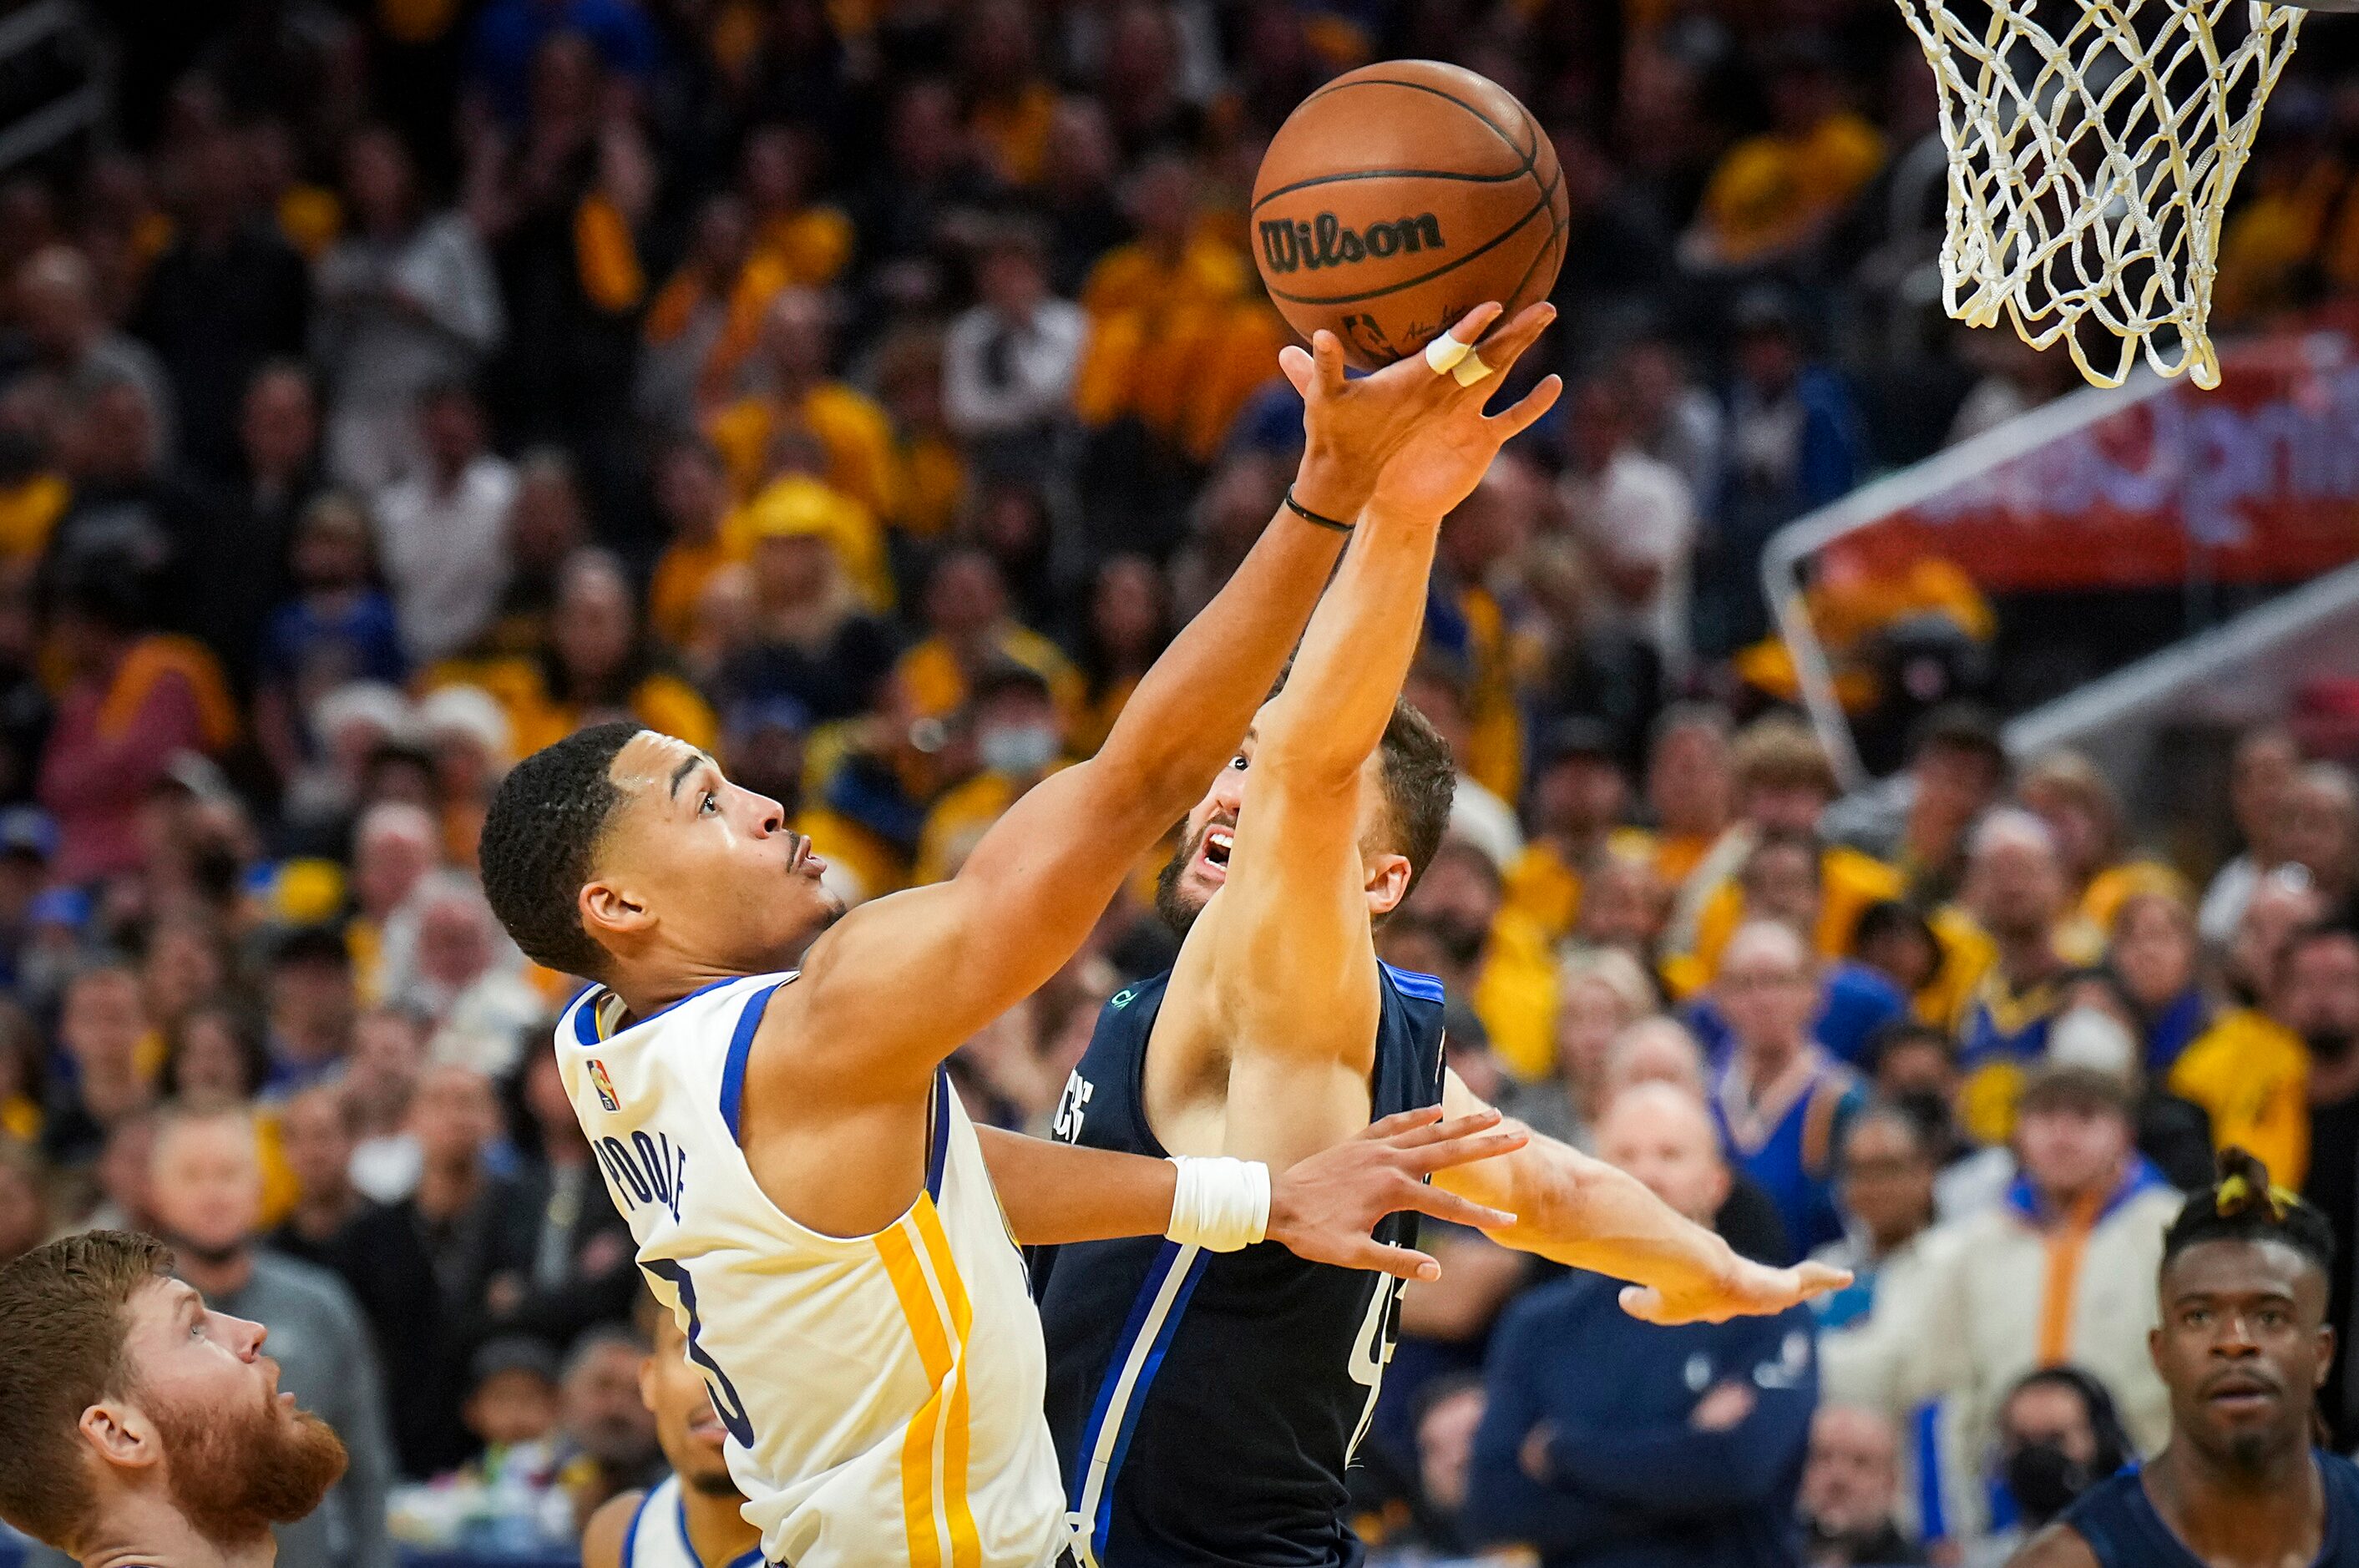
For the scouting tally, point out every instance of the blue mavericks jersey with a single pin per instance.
(2124, 1531)
(1205, 1406)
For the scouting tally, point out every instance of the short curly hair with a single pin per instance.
(538, 837)
(2244, 1206)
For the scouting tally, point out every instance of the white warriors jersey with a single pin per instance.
(658, 1534)
(881, 1393)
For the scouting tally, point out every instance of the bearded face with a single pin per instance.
(234, 1473)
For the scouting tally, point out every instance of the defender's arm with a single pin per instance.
(1583, 1213)
(1322, 1208)
(1280, 968)
(899, 982)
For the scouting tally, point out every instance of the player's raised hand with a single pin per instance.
(1749, 1290)
(1351, 426)
(1324, 1207)
(1438, 464)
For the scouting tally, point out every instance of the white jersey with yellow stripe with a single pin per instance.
(881, 1393)
(658, 1534)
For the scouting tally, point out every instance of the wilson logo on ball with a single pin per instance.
(1297, 245)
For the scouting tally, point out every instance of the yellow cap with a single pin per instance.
(306, 892)
(796, 507)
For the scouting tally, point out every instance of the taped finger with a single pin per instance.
(1444, 353)
(1470, 369)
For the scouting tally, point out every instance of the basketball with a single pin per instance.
(1400, 196)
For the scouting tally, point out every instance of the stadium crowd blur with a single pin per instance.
(864, 390)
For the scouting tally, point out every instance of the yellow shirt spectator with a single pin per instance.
(1515, 995)
(849, 426)
(2252, 1074)
(1774, 192)
(796, 503)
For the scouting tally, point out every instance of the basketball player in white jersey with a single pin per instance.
(693, 1518)
(807, 1195)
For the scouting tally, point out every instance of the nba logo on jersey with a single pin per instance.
(603, 1084)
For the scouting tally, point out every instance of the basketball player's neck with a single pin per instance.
(139, 1532)
(716, 1527)
(2229, 1512)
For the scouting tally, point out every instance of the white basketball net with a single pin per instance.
(2089, 166)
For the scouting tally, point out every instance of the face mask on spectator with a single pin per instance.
(2044, 1479)
(1018, 748)
(1929, 1109)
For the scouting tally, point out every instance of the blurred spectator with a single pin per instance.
(2262, 766)
(2248, 1072)
(447, 962)
(214, 1058)
(1781, 1102)
(607, 1434)
(1794, 443)
(2084, 816)
(2015, 890)
(310, 1002)
(337, 626)
(74, 350)
(1650, 1445)
(381, 1079)
(506, 1500)
(1773, 196)
(1636, 518)
(245, 563)
(546, 524)
(228, 293)
(2058, 1436)
(596, 664)
(1851, 1491)
(406, 302)
(691, 495)
(1578, 797)
(376, 1253)
(1690, 786)
(583, 1266)
(1019, 738)
(1600, 992)
(800, 395)
(1008, 362)
(1126, 629)
(1492, 956)
(442, 531)
(970, 631)
(1449, 1409)
(2319, 810)
(206, 1186)
(24, 1200)
(108, 1047)
(2000, 1303)
(2316, 1002)
(136, 700)
(812, 640)
(1957, 770)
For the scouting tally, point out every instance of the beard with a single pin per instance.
(1171, 900)
(711, 1483)
(232, 1476)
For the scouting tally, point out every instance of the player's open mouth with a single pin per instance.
(1218, 841)
(707, 1428)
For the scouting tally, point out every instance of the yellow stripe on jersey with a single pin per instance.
(966, 1547)
(944, 1414)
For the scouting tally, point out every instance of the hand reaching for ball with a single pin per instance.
(1357, 433)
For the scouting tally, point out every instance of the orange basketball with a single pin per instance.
(1400, 196)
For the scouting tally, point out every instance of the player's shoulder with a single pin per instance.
(1412, 984)
(609, 1529)
(2058, 1546)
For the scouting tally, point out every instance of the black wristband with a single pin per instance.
(1308, 516)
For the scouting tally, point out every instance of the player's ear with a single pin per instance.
(2325, 1355)
(609, 910)
(1388, 877)
(121, 1434)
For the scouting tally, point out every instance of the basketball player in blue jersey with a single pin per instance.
(807, 1196)
(1205, 1408)
(2244, 1348)
(693, 1518)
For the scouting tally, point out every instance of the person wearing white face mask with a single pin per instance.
(1019, 739)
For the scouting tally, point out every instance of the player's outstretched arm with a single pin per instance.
(1583, 1213)
(928, 967)
(1284, 949)
(1322, 1208)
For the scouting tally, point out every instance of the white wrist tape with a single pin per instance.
(1219, 1204)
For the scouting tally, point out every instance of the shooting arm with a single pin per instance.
(1585, 1214)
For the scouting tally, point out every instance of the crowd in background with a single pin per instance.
(864, 390)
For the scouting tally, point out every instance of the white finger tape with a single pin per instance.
(1470, 369)
(1444, 353)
